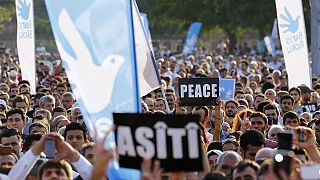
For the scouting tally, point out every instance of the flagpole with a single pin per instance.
(136, 78)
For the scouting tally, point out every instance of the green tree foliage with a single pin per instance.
(174, 16)
(6, 14)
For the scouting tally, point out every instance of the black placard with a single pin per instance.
(198, 91)
(312, 107)
(172, 139)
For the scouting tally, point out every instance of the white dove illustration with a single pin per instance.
(83, 68)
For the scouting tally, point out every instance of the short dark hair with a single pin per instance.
(204, 108)
(39, 95)
(24, 82)
(262, 105)
(239, 84)
(259, 114)
(39, 117)
(51, 164)
(29, 140)
(215, 145)
(8, 132)
(241, 166)
(215, 175)
(61, 85)
(59, 109)
(20, 98)
(239, 92)
(75, 126)
(259, 95)
(286, 97)
(38, 124)
(270, 107)
(251, 137)
(232, 101)
(17, 111)
(39, 87)
(291, 115)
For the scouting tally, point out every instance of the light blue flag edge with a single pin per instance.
(192, 38)
(114, 171)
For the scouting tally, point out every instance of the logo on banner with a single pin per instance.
(25, 26)
(24, 9)
(290, 25)
(226, 89)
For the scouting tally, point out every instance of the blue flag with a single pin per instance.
(95, 40)
(192, 37)
(226, 89)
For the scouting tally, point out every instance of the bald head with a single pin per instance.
(271, 94)
(265, 153)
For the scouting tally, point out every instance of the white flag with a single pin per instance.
(25, 40)
(294, 41)
(147, 72)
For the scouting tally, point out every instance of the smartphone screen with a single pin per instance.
(310, 171)
(49, 150)
(5, 150)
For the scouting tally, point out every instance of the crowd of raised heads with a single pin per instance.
(239, 137)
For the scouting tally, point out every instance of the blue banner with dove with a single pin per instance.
(192, 37)
(95, 40)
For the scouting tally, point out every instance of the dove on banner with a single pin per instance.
(98, 54)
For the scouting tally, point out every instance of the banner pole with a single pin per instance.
(165, 99)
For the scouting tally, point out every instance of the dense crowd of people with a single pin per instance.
(239, 137)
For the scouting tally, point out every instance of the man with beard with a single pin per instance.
(305, 94)
(271, 111)
(231, 110)
(317, 131)
(286, 103)
(171, 100)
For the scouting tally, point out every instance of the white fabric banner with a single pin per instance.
(293, 39)
(147, 72)
(26, 41)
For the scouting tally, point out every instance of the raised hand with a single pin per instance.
(149, 171)
(40, 145)
(245, 123)
(103, 156)
(66, 151)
